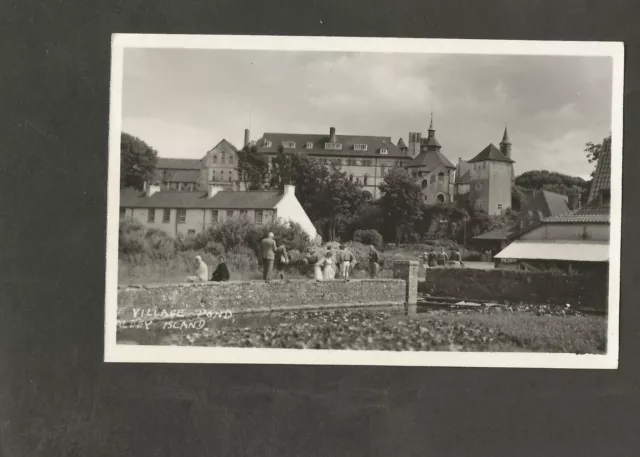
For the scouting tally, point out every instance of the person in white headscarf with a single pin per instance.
(202, 271)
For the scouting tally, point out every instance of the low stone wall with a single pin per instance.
(589, 291)
(253, 296)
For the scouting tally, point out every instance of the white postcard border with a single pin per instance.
(173, 354)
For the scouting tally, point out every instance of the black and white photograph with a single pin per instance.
(364, 201)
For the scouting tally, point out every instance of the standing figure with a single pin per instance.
(202, 271)
(442, 258)
(456, 258)
(281, 261)
(374, 262)
(328, 267)
(344, 259)
(268, 256)
(431, 259)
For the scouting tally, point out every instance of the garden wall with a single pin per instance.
(250, 296)
(589, 291)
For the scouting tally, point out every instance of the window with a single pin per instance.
(222, 158)
(152, 215)
(221, 175)
(335, 146)
(191, 232)
(384, 151)
(309, 145)
(288, 144)
(441, 178)
(166, 215)
(229, 214)
(267, 143)
(243, 212)
(230, 159)
(360, 147)
(424, 184)
(500, 207)
(214, 159)
(230, 175)
(182, 216)
(214, 215)
(479, 186)
(432, 179)
(365, 179)
(383, 170)
(258, 217)
(367, 162)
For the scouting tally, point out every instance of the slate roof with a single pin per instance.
(178, 164)
(374, 144)
(401, 143)
(491, 152)
(464, 179)
(173, 175)
(602, 177)
(133, 198)
(430, 160)
(431, 142)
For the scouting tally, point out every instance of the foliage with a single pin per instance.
(138, 162)
(253, 168)
(593, 151)
(326, 194)
(368, 237)
(400, 204)
(367, 217)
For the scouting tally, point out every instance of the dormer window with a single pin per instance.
(252, 143)
(384, 151)
(289, 144)
(309, 145)
(267, 143)
(334, 146)
(360, 147)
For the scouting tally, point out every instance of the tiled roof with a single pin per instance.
(374, 144)
(491, 153)
(430, 160)
(592, 213)
(225, 146)
(602, 177)
(131, 198)
(178, 164)
(173, 175)
(503, 233)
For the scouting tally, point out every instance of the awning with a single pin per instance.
(578, 251)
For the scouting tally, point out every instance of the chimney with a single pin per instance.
(150, 189)
(247, 137)
(332, 135)
(574, 201)
(289, 190)
(213, 190)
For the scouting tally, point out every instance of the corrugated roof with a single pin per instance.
(374, 145)
(491, 152)
(131, 198)
(178, 164)
(430, 160)
(578, 251)
(602, 177)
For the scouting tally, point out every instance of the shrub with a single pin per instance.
(368, 237)
(214, 248)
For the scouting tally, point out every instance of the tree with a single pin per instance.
(253, 168)
(593, 151)
(326, 194)
(400, 203)
(551, 181)
(138, 162)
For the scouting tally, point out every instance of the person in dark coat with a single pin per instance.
(222, 272)
(281, 260)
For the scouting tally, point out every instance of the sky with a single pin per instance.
(183, 102)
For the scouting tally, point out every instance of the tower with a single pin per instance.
(431, 144)
(505, 144)
(415, 138)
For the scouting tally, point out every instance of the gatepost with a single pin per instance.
(408, 270)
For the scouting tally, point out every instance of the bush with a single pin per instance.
(214, 248)
(368, 237)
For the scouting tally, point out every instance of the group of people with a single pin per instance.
(432, 259)
(342, 263)
(275, 258)
(221, 273)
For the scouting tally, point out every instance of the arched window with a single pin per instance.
(230, 159)
(366, 178)
(440, 198)
(367, 195)
(222, 158)
(424, 183)
(214, 159)
(441, 178)
(213, 175)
